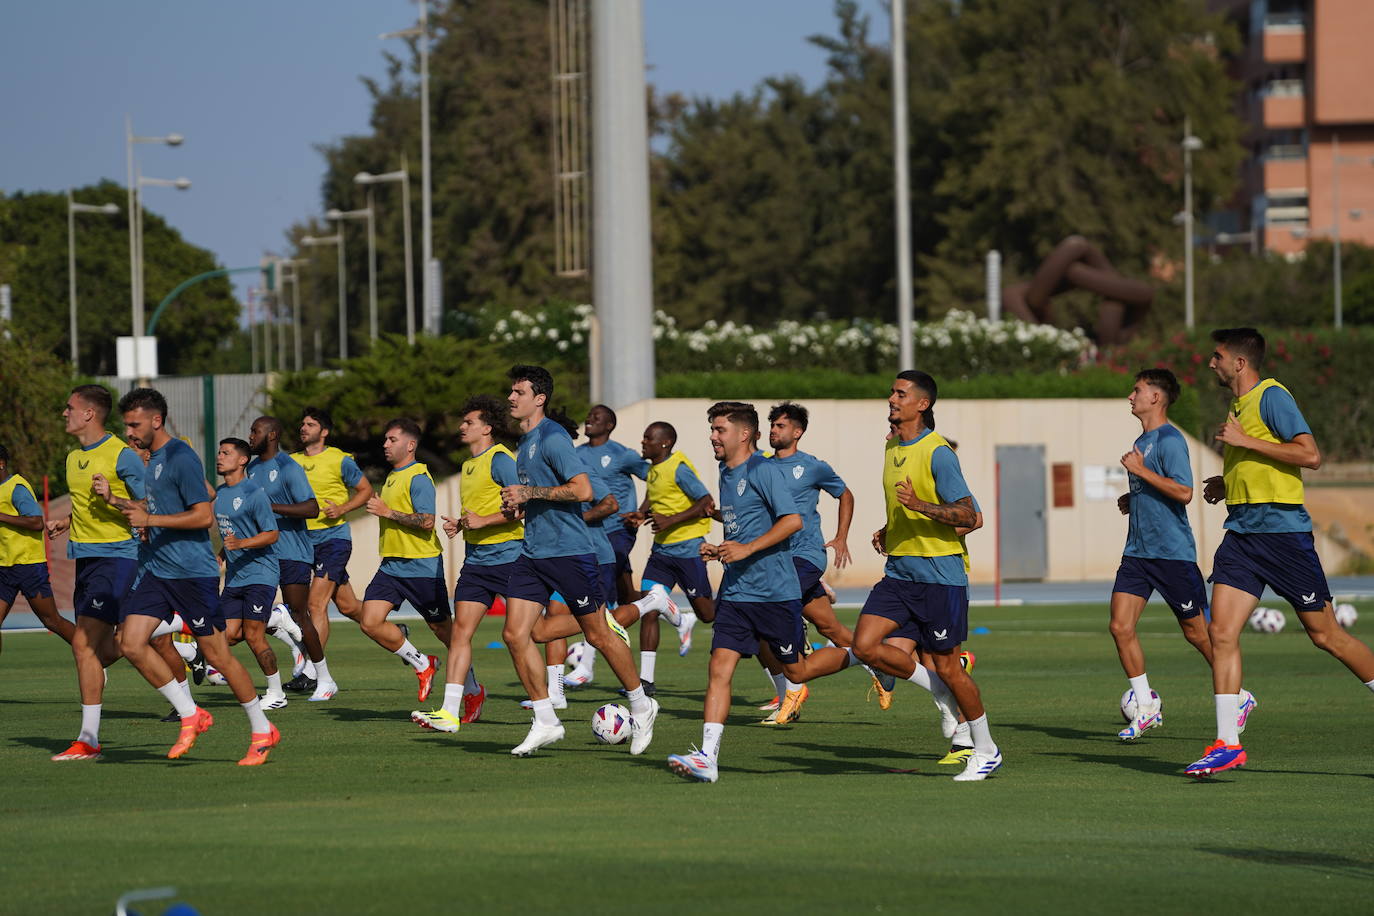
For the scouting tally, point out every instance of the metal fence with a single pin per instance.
(202, 409)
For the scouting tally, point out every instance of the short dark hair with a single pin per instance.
(926, 382)
(610, 413)
(1246, 342)
(149, 399)
(1162, 379)
(405, 425)
(492, 412)
(541, 382)
(4, 454)
(320, 416)
(737, 412)
(664, 429)
(272, 424)
(97, 396)
(239, 445)
(792, 411)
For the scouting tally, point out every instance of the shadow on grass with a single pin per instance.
(1321, 862)
(353, 714)
(133, 754)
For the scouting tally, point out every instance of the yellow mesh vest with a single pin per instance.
(324, 471)
(667, 498)
(910, 534)
(401, 540)
(18, 547)
(93, 520)
(1251, 477)
(480, 494)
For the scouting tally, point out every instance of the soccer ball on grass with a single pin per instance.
(1267, 620)
(611, 724)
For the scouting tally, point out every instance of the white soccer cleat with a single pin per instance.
(697, 765)
(539, 736)
(579, 677)
(684, 633)
(642, 729)
(324, 690)
(1146, 718)
(980, 767)
(1247, 706)
(214, 678)
(949, 718)
(659, 600)
(281, 619)
(273, 700)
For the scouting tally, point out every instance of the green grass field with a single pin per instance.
(359, 811)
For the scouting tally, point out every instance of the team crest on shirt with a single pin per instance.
(739, 487)
(238, 501)
(797, 472)
(83, 464)
(605, 461)
(272, 475)
(157, 472)
(534, 447)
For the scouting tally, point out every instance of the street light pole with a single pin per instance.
(337, 239)
(367, 214)
(135, 244)
(295, 278)
(403, 176)
(902, 194)
(74, 208)
(1336, 160)
(1190, 144)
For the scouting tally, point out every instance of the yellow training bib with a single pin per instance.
(1251, 477)
(94, 521)
(911, 534)
(399, 540)
(481, 494)
(667, 498)
(18, 546)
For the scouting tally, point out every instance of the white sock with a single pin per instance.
(1141, 686)
(852, 659)
(470, 684)
(639, 703)
(982, 736)
(1228, 708)
(789, 685)
(274, 684)
(646, 604)
(186, 689)
(417, 659)
(961, 735)
(187, 650)
(453, 699)
(779, 685)
(90, 725)
(321, 671)
(555, 673)
(257, 719)
(646, 665)
(165, 628)
(589, 660)
(312, 670)
(543, 712)
(178, 698)
(1369, 684)
(711, 733)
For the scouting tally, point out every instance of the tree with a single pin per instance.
(33, 259)
(34, 385)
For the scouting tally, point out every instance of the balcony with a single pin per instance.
(1285, 166)
(1285, 38)
(1283, 105)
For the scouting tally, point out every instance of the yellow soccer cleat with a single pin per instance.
(790, 710)
(957, 756)
(884, 693)
(617, 629)
(439, 720)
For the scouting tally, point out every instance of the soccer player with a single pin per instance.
(1160, 554)
(557, 555)
(620, 466)
(331, 473)
(924, 589)
(491, 540)
(1268, 533)
(249, 530)
(808, 477)
(23, 561)
(412, 557)
(288, 491)
(181, 573)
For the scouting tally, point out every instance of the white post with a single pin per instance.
(622, 268)
(993, 275)
(135, 298)
(296, 310)
(901, 192)
(1336, 225)
(1187, 224)
(372, 265)
(343, 305)
(432, 317)
(410, 259)
(71, 272)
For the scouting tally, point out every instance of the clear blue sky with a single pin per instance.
(255, 85)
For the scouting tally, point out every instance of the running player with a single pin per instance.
(249, 531)
(809, 476)
(23, 561)
(1160, 553)
(412, 557)
(620, 466)
(1268, 533)
(557, 555)
(288, 490)
(491, 539)
(331, 473)
(181, 573)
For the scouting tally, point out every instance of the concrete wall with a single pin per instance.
(1084, 542)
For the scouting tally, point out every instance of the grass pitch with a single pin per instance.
(359, 811)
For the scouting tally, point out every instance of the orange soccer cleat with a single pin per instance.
(258, 746)
(192, 727)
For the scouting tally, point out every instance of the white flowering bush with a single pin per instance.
(958, 345)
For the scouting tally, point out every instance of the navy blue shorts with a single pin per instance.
(293, 572)
(481, 584)
(246, 602)
(809, 578)
(687, 573)
(102, 585)
(1179, 583)
(1286, 562)
(331, 559)
(427, 595)
(607, 580)
(29, 578)
(938, 612)
(197, 600)
(622, 538)
(577, 578)
(742, 625)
